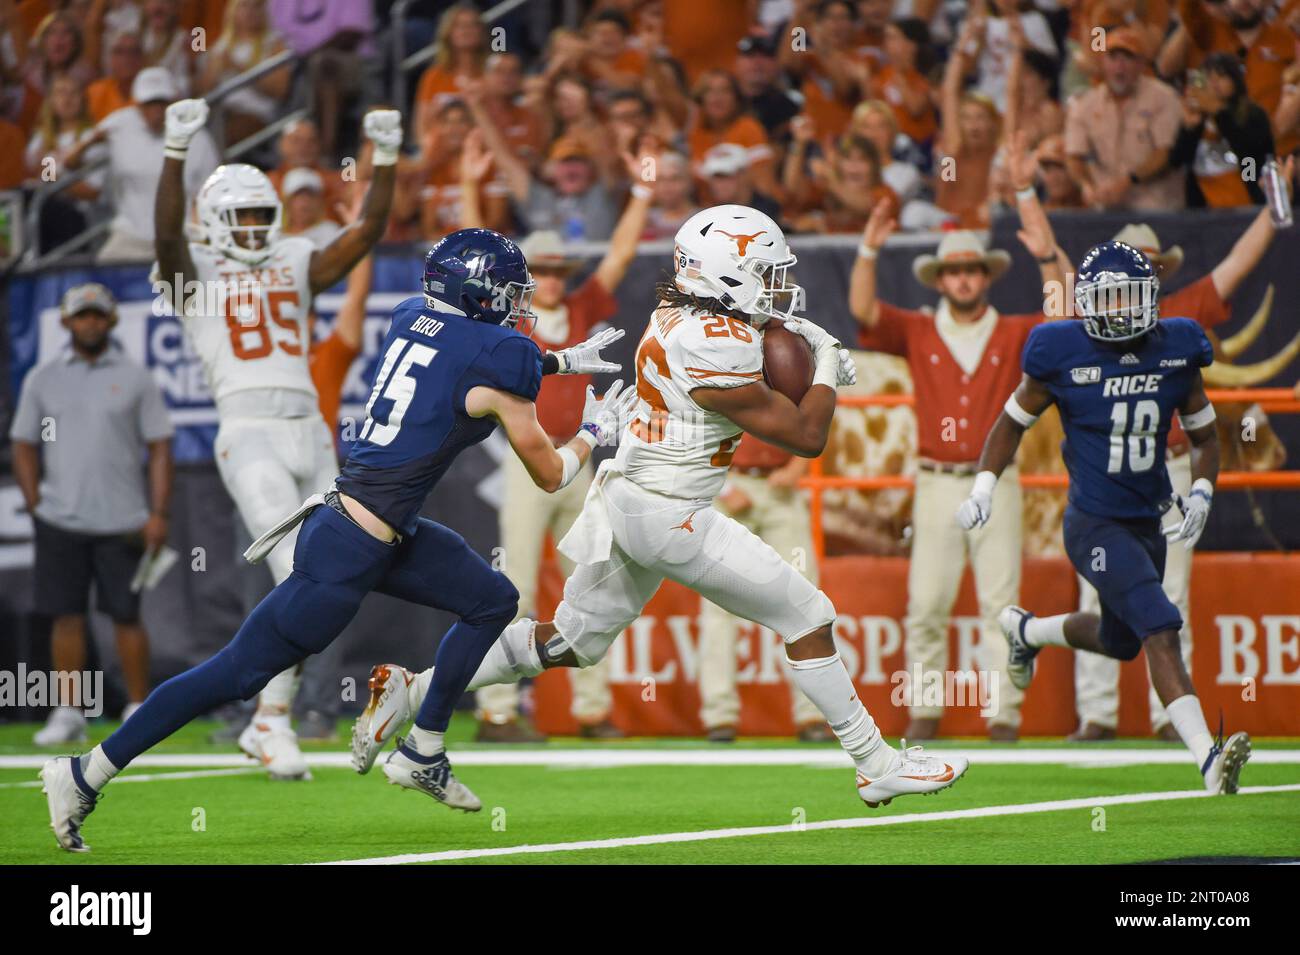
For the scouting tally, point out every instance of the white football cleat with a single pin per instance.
(387, 712)
(1020, 655)
(68, 802)
(1223, 765)
(66, 724)
(430, 775)
(916, 773)
(276, 748)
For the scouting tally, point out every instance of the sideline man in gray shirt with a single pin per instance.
(94, 412)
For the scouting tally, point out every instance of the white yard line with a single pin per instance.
(151, 777)
(982, 812)
(606, 758)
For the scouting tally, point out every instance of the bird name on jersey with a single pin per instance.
(427, 326)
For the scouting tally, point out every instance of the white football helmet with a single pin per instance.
(739, 256)
(230, 189)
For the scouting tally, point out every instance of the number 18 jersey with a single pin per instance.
(673, 446)
(1117, 401)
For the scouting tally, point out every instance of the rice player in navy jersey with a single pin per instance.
(453, 367)
(1117, 378)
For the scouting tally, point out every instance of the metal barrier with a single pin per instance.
(1276, 400)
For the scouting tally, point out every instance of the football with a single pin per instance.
(787, 361)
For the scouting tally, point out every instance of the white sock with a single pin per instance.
(1188, 718)
(827, 684)
(511, 658)
(425, 742)
(418, 690)
(272, 721)
(96, 769)
(277, 696)
(1046, 631)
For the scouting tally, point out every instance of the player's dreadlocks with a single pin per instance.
(669, 294)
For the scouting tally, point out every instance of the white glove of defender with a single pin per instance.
(976, 510)
(826, 350)
(383, 127)
(584, 359)
(1195, 509)
(604, 418)
(184, 118)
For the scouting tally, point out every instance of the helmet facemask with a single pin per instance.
(245, 241)
(778, 297)
(1117, 307)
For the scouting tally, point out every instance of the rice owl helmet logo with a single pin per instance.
(479, 266)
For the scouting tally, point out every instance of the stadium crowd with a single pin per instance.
(811, 110)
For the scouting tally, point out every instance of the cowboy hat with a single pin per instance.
(545, 250)
(1143, 238)
(960, 248)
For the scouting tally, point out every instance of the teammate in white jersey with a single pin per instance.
(248, 318)
(650, 516)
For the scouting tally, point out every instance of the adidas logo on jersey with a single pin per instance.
(1130, 359)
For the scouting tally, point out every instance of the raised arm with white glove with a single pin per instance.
(383, 127)
(585, 358)
(604, 418)
(181, 124)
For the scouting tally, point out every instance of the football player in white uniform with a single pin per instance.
(248, 318)
(649, 514)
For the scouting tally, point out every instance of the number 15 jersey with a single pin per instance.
(673, 446)
(1117, 401)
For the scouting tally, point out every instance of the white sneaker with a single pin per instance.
(916, 773)
(69, 804)
(276, 748)
(1223, 765)
(66, 724)
(1020, 655)
(387, 712)
(433, 778)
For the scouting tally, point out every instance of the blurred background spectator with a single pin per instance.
(246, 40)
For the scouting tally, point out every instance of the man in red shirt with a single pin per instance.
(527, 513)
(762, 492)
(1096, 678)
(963, 359)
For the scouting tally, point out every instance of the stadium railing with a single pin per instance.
(1276, 400)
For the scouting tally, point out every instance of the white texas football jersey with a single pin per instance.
(251, 324)
(673, 446)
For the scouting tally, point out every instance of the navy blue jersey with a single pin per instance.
(415, 420)
(1117, 400)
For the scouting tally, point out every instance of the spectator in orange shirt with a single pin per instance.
(461, 42)
(903, 82)
(11, 151)
(834, 75)
(702, 36)
(502, 98)
(1032, 92)
(440, 156)
(968, 143)
(112, 92)
(300, 147)
(608, 60)
(719, 116)
(841, 192)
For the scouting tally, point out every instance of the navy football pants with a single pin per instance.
(335, 564)
(1125, 561)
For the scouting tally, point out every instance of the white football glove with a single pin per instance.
(834, 365)
(584, 359)
(1195, 509)
(976, 510)
(383, 127)
(848, 370)
(184, 118)
(604, 418)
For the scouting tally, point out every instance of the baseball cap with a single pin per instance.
(301, 178)
(1126, 39)
(761, 45)
(91, 296)
(725, 159)
(154, 84)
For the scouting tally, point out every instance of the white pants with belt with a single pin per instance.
(778, 516)
(527, 514)
(940, 549)
(1096, 678)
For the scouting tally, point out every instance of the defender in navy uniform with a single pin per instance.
(453, 368)
(1117, 378)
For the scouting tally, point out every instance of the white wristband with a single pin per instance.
(1018, 414)
(866, 252)
(1204, 486)
(1198, 419)
(985, 482)
(640, 191)
(1026, 193)
(570, 463)
(827, 371)
(588, 437)
(171, 152)
(384, 157)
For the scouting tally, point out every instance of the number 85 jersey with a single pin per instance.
(673, 446)
(250, 325)
(1117, 401)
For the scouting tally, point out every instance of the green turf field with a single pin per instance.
(230, 815)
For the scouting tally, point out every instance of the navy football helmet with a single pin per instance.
(1115, 292)
(482, 274)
